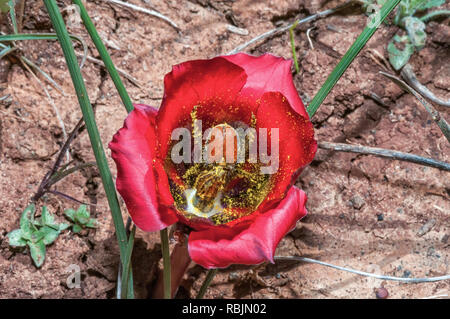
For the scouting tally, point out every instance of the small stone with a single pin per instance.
(357, 202)
(381, 293)
(426, 227)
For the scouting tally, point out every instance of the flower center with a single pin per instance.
(220, 188)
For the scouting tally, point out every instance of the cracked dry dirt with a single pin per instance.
(364, 212)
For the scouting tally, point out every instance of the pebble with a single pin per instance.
(426, 227)
(381, 293)
(357, 202)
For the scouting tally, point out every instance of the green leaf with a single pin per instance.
(37, 222)
(82, 215)
(92, 223)
(47, 219)
(397, 57)
(15, 238)
(37, 235)
(70, 213)
(50, 235)
(37, 251)
(416, 31)
(420, 5)
(76, 228)
(25, 221)
(63, 226)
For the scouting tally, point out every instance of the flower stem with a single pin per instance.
(179, 263)
(166, 262)
(205, 285)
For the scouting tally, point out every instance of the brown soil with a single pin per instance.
(348, 194)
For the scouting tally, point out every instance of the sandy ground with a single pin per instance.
(364, 212)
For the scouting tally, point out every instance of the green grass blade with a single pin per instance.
(89, 119)
(350, 56)
(6, 50)
(12, 14)
(127, 264)
(90, 27)
(44, 36)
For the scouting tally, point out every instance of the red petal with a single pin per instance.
(297, 146)
(268, 73)
(211, 84)
(249, 243)
(134, 151)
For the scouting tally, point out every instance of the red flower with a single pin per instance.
(237, 214)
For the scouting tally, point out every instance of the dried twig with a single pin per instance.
(385, 153)
(409, 76)
(309, 38)
(148, 11)
(282, 29)
(435, 115)
(363, 273)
